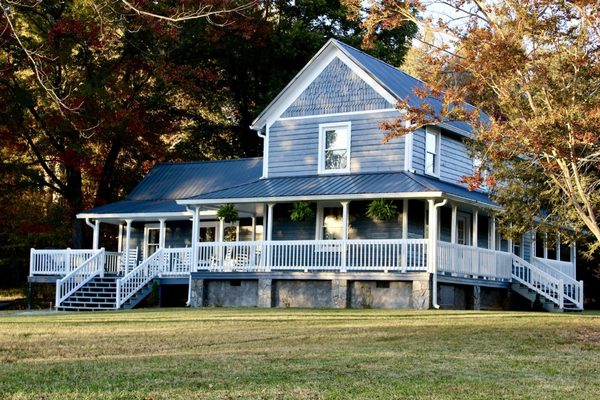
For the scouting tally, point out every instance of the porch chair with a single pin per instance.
(133, 261)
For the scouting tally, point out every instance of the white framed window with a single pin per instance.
(334, 147)
(330, 225)
(432, 151)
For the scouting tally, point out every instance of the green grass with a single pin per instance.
(285, 353)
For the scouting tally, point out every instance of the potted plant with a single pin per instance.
(228, 213)
(301, 211)
(382, 210)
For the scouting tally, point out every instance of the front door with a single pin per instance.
(151, 239)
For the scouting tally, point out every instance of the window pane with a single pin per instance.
(335, 139)
(431, 143)
(336, 159)
(429, 163)
(332, 223)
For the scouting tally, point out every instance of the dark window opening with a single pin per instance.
(383, 284)
(235, 283)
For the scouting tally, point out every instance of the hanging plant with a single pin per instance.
(228, 213)
(301, 211)
(382, 210)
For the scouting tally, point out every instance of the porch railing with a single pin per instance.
(539, 281)
(57, 262)
(137, 278)
(573, 289)
(472, 261)
(567, 268)
(113, 262)
(315, 255)
(90, 268)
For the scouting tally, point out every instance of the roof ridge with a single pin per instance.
(171, 163)
(415, 178)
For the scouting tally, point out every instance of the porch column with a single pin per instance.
(432, 235)
(545, 245)
(127, 243)
(492, 232)
(195, 231)
(120, 240)
(96, 240)
(161, 234)
(475, 221)
(254, 228)
(404, 258)
(268, 248)
(221, 230)
(453, 224)
(344, 235)
(574, 258)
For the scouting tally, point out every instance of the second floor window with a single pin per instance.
(334, 147)
(432, 151)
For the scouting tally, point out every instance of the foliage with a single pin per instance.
(137, 352)
(301, 211)
(382, 210)
(228, 213)
(534, 67)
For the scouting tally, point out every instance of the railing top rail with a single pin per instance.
(82, 266)
(539, 271)
(62, 251)
(542, 262)
(467, 247)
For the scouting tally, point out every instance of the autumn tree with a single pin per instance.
(534, 67)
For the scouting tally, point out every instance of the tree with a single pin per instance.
(534, 67)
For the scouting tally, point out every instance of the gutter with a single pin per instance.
(434, 256)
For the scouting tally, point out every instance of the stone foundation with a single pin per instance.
(328, 291)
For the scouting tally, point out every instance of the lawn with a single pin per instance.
(289, 353)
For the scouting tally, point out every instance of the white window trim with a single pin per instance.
(322, 127)
(436, 168)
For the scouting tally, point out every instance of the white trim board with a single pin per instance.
(349, 113)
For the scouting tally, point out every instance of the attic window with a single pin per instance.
(432, 151)
(334, 147)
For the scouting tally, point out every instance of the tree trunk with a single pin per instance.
(74, 198)
(104, 193)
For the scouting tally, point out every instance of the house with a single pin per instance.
(323, 152)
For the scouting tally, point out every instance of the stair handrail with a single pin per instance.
(138, 277)
(573, 289)
(81, 275)
(549, 287)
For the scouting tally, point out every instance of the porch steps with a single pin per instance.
(548, 305)
(100, 294)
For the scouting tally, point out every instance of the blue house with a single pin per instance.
(303, 237)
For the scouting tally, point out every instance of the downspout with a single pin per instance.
(264, 137)
(434, 253)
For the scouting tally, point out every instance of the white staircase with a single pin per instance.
(556, 290)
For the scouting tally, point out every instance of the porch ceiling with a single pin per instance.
(348, 187)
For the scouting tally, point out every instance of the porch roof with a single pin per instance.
(336, 187)
(157, 193)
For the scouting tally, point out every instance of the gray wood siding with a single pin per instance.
(418, 152)
(286, 229)
(455, 161)
(337, 89)
(363, 227)
(294, 145)
(416, 219)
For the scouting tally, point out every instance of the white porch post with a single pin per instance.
(557, 245)
(254, 228)
(545, 245)
(404, 259)
(161, 234)
(432, 259)
(120, 241)
(344, 235)
(221, 230)
(492, 232)
(453, 235)
(268, 247)
(96, 240)
(127, 243)
(475, 226)
(195, 232)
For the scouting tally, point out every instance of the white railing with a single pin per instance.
(573, 289)
(539, 281)
(229, 256)
(113, 262)
(57, 262)
(176, 261)
(315, 255)
(81, 275)
(565, 267)
(469, 261)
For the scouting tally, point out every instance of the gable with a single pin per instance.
(337, 89)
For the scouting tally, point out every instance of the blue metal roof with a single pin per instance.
(398, 82)
(307, 187)
(168, 182)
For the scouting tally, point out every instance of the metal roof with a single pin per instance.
(341, 187)
(168, 182)
(399, 83)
